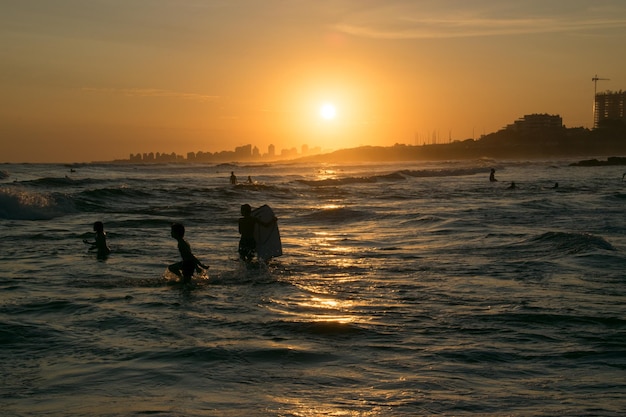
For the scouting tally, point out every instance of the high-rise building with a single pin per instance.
(609, 106)
(243, 152)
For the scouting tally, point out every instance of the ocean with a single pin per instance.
(409, 289)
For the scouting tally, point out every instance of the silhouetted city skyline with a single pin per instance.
(532, 135)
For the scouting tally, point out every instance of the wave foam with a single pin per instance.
(16, 204)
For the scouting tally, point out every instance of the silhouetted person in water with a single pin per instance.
(556, 185)
(512, 186)
(492, 176)
(250, 179)
(233, 178)
(100, 243)
(185, 268)
(247, 243)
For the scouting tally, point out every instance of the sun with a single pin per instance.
(328, 111)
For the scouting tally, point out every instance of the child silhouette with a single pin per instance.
(100, 243)
(185, 268)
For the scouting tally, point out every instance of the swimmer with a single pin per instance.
(100, 243)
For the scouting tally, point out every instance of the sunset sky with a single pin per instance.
(89, 80)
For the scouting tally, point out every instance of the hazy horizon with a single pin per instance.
(99, 80)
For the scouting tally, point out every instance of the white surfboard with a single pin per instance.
(267, 238)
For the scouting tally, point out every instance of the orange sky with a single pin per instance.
(100, 79)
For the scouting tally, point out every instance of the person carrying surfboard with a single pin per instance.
(185, 268)
(247, 242)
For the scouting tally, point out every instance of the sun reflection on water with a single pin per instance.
(330, 206)
(326, 174)
(309, 408)
(315, 309)
(329, 310)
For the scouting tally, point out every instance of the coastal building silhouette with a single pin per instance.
(536, 122)
(243, 152)
(609, 107)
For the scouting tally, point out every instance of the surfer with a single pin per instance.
(233, 178)
(185, 268)
(247, 243)
(492, 175)
(512, 186)
(100, 242)
(250, 180)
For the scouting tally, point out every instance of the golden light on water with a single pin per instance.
(327, 303)
(332, 310)
(301, 407)
(316, 309)
(325, 174)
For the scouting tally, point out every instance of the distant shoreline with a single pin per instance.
(541, 144)
(611, 161)
(505, 144)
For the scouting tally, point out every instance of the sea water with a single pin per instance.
(404, 290)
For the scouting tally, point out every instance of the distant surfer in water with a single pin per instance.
(185, 268)
(233, 178)
(100, 243)
(512, 186)
(247, 243)
(492, 176)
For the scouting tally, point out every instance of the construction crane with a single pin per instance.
(595, 80)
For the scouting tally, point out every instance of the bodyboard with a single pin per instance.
(267, 238)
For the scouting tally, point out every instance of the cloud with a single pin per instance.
(408, 22)
(151, 92)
